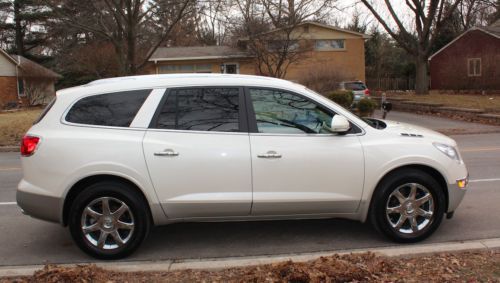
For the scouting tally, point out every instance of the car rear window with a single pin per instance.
(200, 109)
(116, 109)
(355, 86)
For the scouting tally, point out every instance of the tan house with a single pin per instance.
(331, 49)
(22, 80)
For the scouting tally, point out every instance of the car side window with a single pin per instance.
(201, 109)
(282, 112)
(116, 109)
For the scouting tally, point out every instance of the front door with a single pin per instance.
(298, 166)
(198, 153)
(230, 68)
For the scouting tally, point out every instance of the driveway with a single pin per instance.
(30, 241)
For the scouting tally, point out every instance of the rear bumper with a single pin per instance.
(37, 205)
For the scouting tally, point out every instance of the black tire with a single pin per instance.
(115, 194)
(384, 198)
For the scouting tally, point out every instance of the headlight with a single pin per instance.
(450, 151)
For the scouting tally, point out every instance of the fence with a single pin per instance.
(391, 83)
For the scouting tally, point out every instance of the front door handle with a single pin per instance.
(166, 152)
(269, 154)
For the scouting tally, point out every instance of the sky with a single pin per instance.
(347, 8)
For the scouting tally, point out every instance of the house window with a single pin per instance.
(474, 67)
(204, 68)
(330, 44)
(20, 87)
(187, 68)
(281, 45)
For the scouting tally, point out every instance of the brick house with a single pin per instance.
(333, 49)
(22, 80)
(471, 61)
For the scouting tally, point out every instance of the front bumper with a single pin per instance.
(456, 194)
(39, 206)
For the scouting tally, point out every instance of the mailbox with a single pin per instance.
(386, 106)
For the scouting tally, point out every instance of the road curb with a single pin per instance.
(232, 262)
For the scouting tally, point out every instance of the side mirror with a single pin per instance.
(339, 124)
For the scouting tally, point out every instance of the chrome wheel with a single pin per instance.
(410, 208)
(107, 223)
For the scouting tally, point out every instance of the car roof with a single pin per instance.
(176, 80)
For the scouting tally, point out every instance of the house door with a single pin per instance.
(231, 68)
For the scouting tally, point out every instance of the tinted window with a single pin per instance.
(112, 109)
(283, 112)
(201, 109)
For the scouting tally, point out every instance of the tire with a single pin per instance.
(114, 234)
(406, 217)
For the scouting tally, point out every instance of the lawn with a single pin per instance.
(490, 103)
(13, 125)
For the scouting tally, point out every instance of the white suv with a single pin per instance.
(113, 157)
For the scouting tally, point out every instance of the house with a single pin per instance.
(331, 49)
(22, 80)
(470, 61)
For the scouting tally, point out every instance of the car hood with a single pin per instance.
(410, 130)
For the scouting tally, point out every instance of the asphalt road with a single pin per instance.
(25, 241)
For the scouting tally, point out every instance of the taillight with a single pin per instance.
(367, 92)
(28, 145)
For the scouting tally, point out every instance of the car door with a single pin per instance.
(198, 153)
(298, 167)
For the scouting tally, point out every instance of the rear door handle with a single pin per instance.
(166, 152)
(269, 154)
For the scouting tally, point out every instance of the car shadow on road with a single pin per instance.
(253, 238)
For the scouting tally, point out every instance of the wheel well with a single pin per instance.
(84, 183)
(429, 170)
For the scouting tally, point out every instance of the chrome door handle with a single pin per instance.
(166, 152)
(270, 154)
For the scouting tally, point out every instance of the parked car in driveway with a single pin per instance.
(112, 158)
(358, 88)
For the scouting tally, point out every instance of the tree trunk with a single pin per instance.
(18, 29)
(422, 77)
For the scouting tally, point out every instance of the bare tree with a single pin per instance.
(135, 28)
(477, 12)
(428, 18)
(276, 50)
(211, 24)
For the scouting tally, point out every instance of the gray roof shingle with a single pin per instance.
(494, 28)
(197, 52)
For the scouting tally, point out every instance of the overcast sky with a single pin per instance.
(347, 8)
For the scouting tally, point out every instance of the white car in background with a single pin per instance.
(113, 157)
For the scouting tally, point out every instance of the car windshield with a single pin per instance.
(355, 86)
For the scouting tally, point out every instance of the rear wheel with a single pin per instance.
(408, 206)
(109, 220)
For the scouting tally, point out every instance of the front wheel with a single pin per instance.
(408, 206)
(108, 220)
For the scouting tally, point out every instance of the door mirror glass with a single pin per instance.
(339, 124)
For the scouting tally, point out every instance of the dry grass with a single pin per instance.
(446, 267)
(490, 103)
(13, 125)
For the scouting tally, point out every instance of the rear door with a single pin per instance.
(198, 153)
